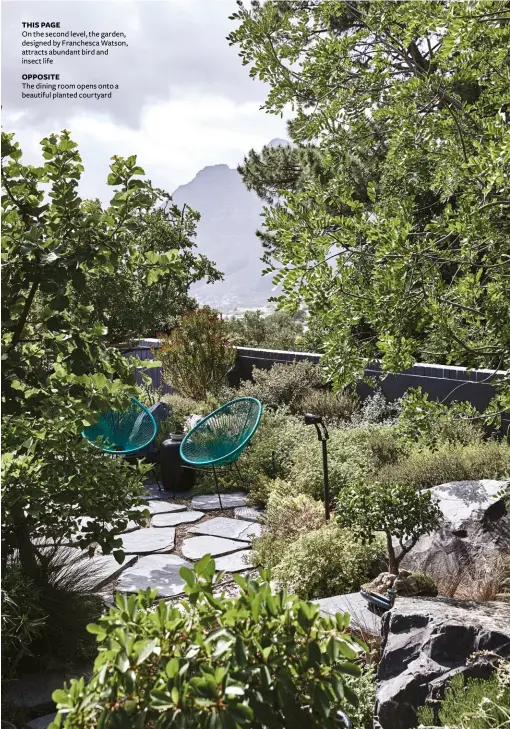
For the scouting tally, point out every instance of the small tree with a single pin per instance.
(212, 662)
(401, 512)
(198, 354)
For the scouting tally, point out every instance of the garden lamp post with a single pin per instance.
(323, 435)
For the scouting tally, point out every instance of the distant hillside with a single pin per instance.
(230, 215)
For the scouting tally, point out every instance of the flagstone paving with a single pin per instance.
(146, 541)
(164, 507)
(207, 502)
(182, 517)
(158, 571)
(107, 568)
(197, 547)
(235, 562)
(222, 526)
(249, 513)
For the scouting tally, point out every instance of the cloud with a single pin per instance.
(176, 47)
(185, 100)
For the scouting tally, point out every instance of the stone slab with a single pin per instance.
(249, 513)
(164, 507)
(147, 541)
(106, 568)
(235, 562)
(222, 526)
(197, 547)
(33, 691)
(181, 517)
(362, 617)
(158, 571)
(207, 502)
(42, 722)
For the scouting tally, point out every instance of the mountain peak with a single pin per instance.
(279, 143)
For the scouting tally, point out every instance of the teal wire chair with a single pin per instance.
(219, 439)
(125, 432)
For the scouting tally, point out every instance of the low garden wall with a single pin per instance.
(442, 383)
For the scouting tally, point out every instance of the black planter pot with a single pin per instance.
(174, 475)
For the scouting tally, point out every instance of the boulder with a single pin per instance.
(427, 641)
(475, 527)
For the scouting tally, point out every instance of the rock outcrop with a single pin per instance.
(427, 641)
(475, 528)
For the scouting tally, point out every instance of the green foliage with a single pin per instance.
(334, 407)
(53, 479)
(426, 468)
(279, 330)
(327, 561)
(362, 717)
(57, 371)
(181, 407)
(350, 461)
(376, 410)
(257, 660)
(120, 296)
(430, 423)
(400, 511)
(23, 618)
(397, 238)
(283, 384)
(475, 704)
(44, 621)
(287, 517)
(270, 454)
(197, 355)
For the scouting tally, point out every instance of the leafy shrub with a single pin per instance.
(325, 562)
(256, 660)
(333, 407)
(400, 511)
(385, 445)
(44, 619)
(362, 717)
(376, 409)
(430, 423)
(23, 618)
(426, 468)
(278, 330)
(287, 516)
(474, 704)
(197, 355)
(270, 454)
(181, 407)
(349, 461)
(283, 384)
(41, 498)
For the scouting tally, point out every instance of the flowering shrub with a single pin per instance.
(198, 354)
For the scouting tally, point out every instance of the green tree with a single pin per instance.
(401, 512)
(399, 246)
(279, 330)
(57, 371)
(121, 298)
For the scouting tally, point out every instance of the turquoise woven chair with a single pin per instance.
(217, 441)
(125, 432)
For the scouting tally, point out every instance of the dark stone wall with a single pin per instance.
(442, 383)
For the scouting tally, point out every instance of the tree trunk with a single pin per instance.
(27, 552)
(393, 562)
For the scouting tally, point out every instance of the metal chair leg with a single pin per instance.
(217, 487)
(240, 478)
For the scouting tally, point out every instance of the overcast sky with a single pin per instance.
(184, 102)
